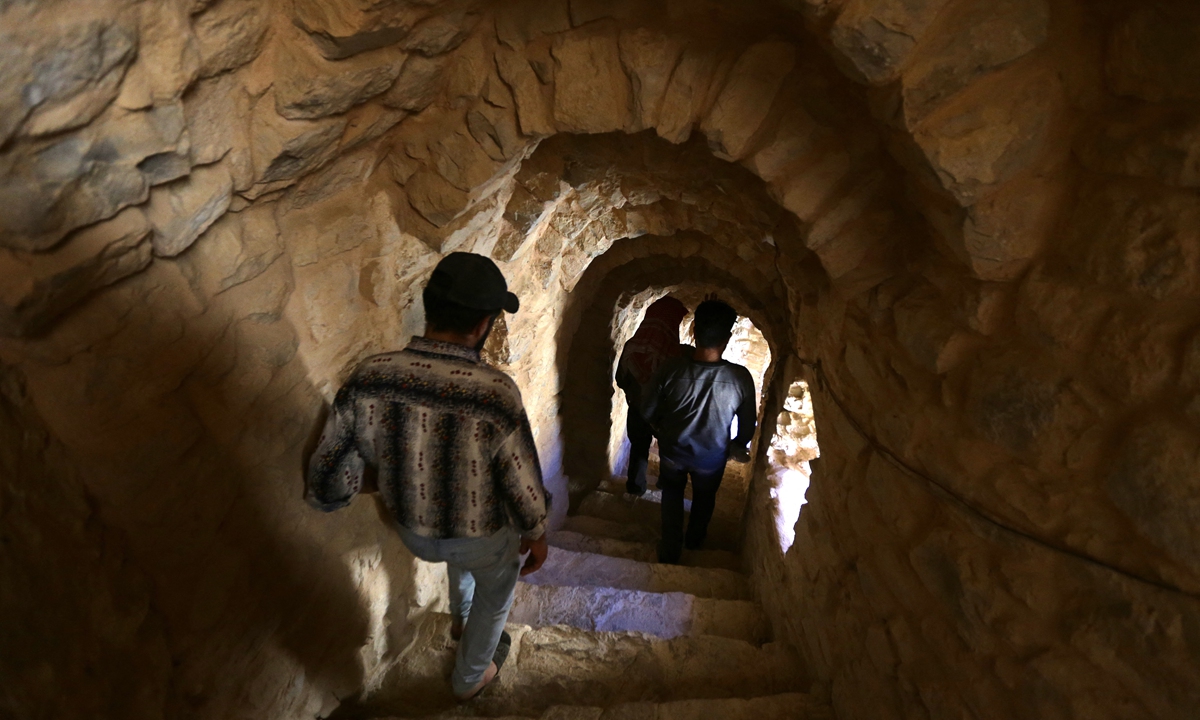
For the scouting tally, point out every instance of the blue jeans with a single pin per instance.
(483, 575)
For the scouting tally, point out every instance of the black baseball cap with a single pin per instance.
(472, 281)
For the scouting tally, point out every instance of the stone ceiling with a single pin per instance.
(971, 225)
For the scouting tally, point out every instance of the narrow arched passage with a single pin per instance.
(978, 220)
(748, 347)
(588, 354)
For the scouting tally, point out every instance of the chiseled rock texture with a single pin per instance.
(972, 228)
(562, 665)
(785, 706)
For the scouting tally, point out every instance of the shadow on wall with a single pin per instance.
(185, 423)
(75, 613)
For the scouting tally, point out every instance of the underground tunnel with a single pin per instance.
(962, 238)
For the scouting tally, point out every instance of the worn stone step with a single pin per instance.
(664, 615)
(616, 486)
(731, 498)
(568, 666)
(722, 532)
(613, 529)
(566, 568)
(623, 508)
(785, 706)
(644, 551)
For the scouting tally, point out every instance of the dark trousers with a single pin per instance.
(672, 479)
(640, 437)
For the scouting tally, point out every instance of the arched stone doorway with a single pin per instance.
(215, 209)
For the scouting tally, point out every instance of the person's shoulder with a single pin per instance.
(679, 361)
(675, 366)
(737, 367)
(741, 372)
(381, 362)
(496, 391)
(488, 377)
(495, 376)
(370, 375)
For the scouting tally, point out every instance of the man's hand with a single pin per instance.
(537, 550)
(740, 454)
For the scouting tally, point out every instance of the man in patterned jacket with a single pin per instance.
(450, 444)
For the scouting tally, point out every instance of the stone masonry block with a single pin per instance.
(747, 98)
(592, 94)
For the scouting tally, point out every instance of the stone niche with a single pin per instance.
(972, 228)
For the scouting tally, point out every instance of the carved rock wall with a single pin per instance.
(971, 227)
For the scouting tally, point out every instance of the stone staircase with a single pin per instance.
(602, 632)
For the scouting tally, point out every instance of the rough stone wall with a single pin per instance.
(187, 429)
(1008, 455)
(973, 225)
(783, 479)
(105, 640)
(258, 234)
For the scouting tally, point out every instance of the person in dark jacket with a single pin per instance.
(691, 404)
(655, 342)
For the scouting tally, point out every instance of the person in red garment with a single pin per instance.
(655, 342)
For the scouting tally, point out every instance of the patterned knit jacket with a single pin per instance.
(448, 436)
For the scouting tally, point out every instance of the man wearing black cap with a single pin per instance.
(449, 441)
(691, 404)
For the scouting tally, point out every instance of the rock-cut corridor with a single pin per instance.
(963, 237)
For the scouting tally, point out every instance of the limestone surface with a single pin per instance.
(970, 229)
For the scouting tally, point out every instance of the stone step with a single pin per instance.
(786, 706)
(644, 551)
(566, 568)
(622, 508)
(722, 532)
(664, 615)
(731, 498)
(568, 666)
(617, 487)
(601, 528)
